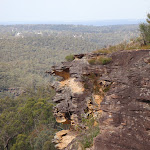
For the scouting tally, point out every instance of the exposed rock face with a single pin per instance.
(125, 122)
(63, 138)
(118, 94)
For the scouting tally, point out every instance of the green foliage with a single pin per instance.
(91, 83)
(145, 31)
(102, 60)
(87, 140)
(26, 58)
(70, 58)
(92, 61)
(43, 140)
(104, 51)
(22, 143)
(148, 18)
(27, 122)
(134, 44)
(106, 89)
(45, 91)
(89, 121)
(48, 145)
(92, 131)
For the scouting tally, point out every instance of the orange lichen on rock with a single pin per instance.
(63, 138)
(94, 107)
(62, 119)
(63, 74)
(75, 87)
(98, 99)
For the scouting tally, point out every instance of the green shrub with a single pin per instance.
(103, 51)
(87, 139)
(92, 131)
(145, 30)
(70, 58)
(92, 61)
(103, 60)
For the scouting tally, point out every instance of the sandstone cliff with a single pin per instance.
(115, 94)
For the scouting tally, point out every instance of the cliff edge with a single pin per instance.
(114, 89)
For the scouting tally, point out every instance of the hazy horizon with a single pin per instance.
(90, 22)
(66, 11)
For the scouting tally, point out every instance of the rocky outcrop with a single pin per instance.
(116, 94)
(63, 138)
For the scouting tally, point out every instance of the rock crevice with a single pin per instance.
(117, 94)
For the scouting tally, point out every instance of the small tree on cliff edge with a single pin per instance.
(145, 30)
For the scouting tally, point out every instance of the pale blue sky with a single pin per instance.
(72, 10)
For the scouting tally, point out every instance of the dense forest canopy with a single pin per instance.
(27, 51)
(27, 122)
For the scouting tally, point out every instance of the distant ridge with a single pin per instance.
(114, 22)
(90, 23)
